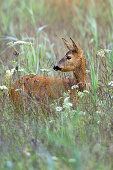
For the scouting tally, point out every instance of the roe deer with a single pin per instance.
(44, 89)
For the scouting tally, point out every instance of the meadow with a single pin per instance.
(78, 138)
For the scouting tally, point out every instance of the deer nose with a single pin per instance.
(56, 68)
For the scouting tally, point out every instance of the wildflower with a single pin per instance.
(19, 43)
(45, 70)
(26, 153)
(66, 100)
(69, 104)
(18, 90)
(86, 91)
(8, 76)
(107, 51)
(87, 71)
(92, 40)
(58, 109)
(21, 70)
(98, 122)
(98, 112)
(66, 103)
(74, 87)
(102, 52)
(22, 43)
(3, 88)
(66, 94)
(9, 73)
(81, 94)
(110, 83)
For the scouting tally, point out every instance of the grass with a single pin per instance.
(80, 138)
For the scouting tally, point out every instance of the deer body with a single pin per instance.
(44, 89)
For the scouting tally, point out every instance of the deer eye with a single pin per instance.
(68, 57)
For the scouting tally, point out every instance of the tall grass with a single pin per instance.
(69, 138)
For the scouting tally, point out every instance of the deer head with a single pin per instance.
(72, 59)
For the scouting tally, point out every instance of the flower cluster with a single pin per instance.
(9, 73)
(102, 52)
(110, 83)
(3, 88)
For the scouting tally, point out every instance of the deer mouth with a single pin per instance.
(57, 68)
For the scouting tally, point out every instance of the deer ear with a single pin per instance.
(69, 45)
(76, 46)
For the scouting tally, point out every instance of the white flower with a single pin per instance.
(22, 43)
(66, 100)
(87, 71)
(81, 94)
(18, 90)
(9, 73)
(3, 88)
(102, 52)
(86, 91)
(107, 51)
(21, 70)
(58, 109)
(98, 112)
(12, 70)
(91, 41)
(70, 104)
(19, 43)
(110, 83)
(45, 70)
(26, 153)
(98, 122)
(66, 103)
(74, 87)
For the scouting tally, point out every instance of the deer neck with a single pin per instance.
(81, 78)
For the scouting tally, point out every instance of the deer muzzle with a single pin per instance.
(57, 68)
